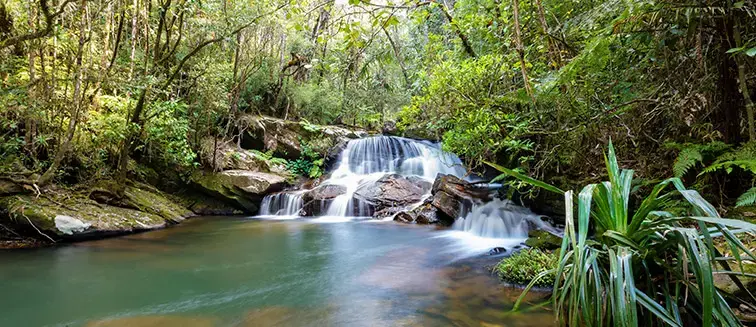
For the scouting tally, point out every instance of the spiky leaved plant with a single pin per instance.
(623, 266)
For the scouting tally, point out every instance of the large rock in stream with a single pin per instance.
(69, 216)
(242, 188)
(317, 200)
(392, 193)
(451, 197)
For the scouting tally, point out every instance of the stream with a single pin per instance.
(221, 271)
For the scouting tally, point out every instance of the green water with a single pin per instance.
(247, 272)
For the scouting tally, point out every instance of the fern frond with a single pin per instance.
(687, 158)
(727, 166)
(747, 199)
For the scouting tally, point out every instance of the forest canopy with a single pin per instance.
(95, 89)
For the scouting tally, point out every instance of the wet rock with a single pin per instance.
(452, 195)
(389, 127)
(240, 187)
(449, 206)
(423, 214)
(392, 191)
(497, 251)
(75, 216)
(404, 217)
(317, 200)
(324, 192)
(544, 240)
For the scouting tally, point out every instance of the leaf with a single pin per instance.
(747, 199)
(751, 52)
(734, 50)
(524, 178)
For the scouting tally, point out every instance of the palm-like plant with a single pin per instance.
(621, 266)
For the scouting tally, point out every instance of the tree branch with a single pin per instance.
(49, 20)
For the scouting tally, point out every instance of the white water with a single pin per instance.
(364, 161)
(282, 204)
(498, 223)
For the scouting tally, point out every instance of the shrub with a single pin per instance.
(644, 264)
(524, 266)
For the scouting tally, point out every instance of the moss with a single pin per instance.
(153, 201)
(522, 267)
(540, 239)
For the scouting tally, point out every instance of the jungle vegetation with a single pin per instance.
(105, 89)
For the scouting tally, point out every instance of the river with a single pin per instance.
(234, 271)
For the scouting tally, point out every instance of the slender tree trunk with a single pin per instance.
(134, 36)
(398, 55)
(553, 48)
(743, 82)
(77, 97)
(465, 41)
(521, 48)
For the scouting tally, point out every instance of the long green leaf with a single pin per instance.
(525, 178)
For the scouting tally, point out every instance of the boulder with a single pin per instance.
(316, 201)
(392, 191)
(452, 195)
(423, 214)
(323, 192)
(285, 138)
(76, 216)
(543, 240)
(241, 187)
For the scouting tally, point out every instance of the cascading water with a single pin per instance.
(364, 161)
(500, 219)
(281, 204)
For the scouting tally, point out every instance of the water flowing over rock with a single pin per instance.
(408, 181)
(380, 176)
(500, 219)
(282, 204)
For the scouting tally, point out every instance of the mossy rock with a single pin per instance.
(541, 239)
(243, 188)
(70, 215)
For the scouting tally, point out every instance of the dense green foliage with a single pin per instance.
(100, 89)
(623, 265)
(525, 265)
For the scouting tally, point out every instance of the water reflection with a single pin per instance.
(240, 272)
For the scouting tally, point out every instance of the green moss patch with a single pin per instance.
(523, 266)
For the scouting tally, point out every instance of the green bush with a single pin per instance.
(523, 267)
(643, 264)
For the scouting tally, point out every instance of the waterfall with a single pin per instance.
(366, 160)
(499, 219)
(363, 164)
(281, 204)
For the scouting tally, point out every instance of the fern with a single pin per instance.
(692, 154)
(743, 157)
(747, 199)
(687, 158)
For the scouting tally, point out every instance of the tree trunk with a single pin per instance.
(465, 41)
(77, 97)
(521, 48)
(553, 47)
(743, 82)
